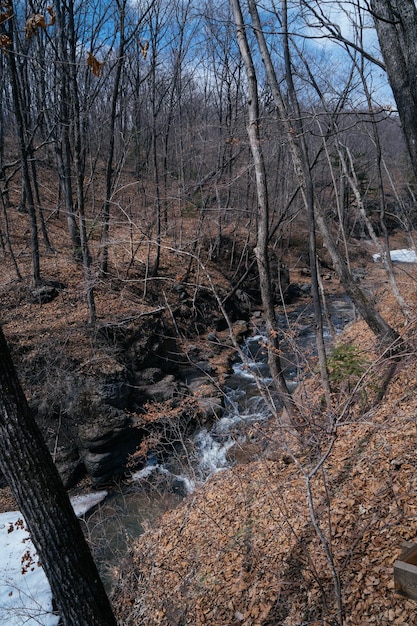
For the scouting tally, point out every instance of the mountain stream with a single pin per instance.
(122, 516)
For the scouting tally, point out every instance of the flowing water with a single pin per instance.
(157, 488)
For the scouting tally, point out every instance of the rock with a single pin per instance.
(94, 431)
(150, 375)
(105, 460)
(179, 487)
(196, 383)
(244, 453)
(70, 465)
(294, 292)
(161, 391)
(47, 291)
(358, 274)
(197, 375)
(98, 434)
(240, 330)
(115, 393)
(44, 294)
(200, 382)
(205, 366)
(210, 408)
(219, 323)
(100, 466)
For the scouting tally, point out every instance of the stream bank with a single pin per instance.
(234, 437)
(244, 547)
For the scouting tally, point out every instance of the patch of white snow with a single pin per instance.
(82, 504)
(405, 255)
(25, 594)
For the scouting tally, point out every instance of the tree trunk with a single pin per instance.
(62, 141)
(307, 188)
(24, 155)
(79, 159)
(262, 240)
(396, 25)
(388, 336)
(110, 156)
(56, 533)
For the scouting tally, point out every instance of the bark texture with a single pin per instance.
(396, 25)
(55, 531)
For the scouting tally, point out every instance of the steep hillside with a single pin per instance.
(257, 543)
(274, 541)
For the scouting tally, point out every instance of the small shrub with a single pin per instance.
(353, 378)
(346, 363)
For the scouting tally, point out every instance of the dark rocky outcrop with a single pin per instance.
(130, 381)
(100, 416)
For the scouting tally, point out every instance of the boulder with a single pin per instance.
(69, 463)
(105, 457)
(160, 391)
(47, 291)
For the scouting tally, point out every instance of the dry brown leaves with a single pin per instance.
(243, 549)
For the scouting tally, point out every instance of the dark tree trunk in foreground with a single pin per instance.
(55, 531)
(396, 25)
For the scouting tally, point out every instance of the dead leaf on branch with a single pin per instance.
(94, 64)
(34, 22)
(5, 12)
(37, 20)
(5, 42)
(144, 47)
(52, 15)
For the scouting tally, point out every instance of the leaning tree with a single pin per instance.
(56, 533)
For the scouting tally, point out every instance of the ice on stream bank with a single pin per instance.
(25, 595)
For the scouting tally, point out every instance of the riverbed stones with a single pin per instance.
(92, 408)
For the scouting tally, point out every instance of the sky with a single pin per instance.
(25, 598)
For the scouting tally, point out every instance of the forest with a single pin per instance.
(175, 179)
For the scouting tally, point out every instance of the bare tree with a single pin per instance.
(74, 146)
(121, 6)
(8, 30)
(296, 140)
(262, 241)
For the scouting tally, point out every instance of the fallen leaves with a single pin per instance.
(243, 549)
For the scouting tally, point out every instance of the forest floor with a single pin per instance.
(245, 548)
(276, 539)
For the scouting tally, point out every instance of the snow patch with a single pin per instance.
(25, 594)
(405, 255)
(25, 598)
(82, 504)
